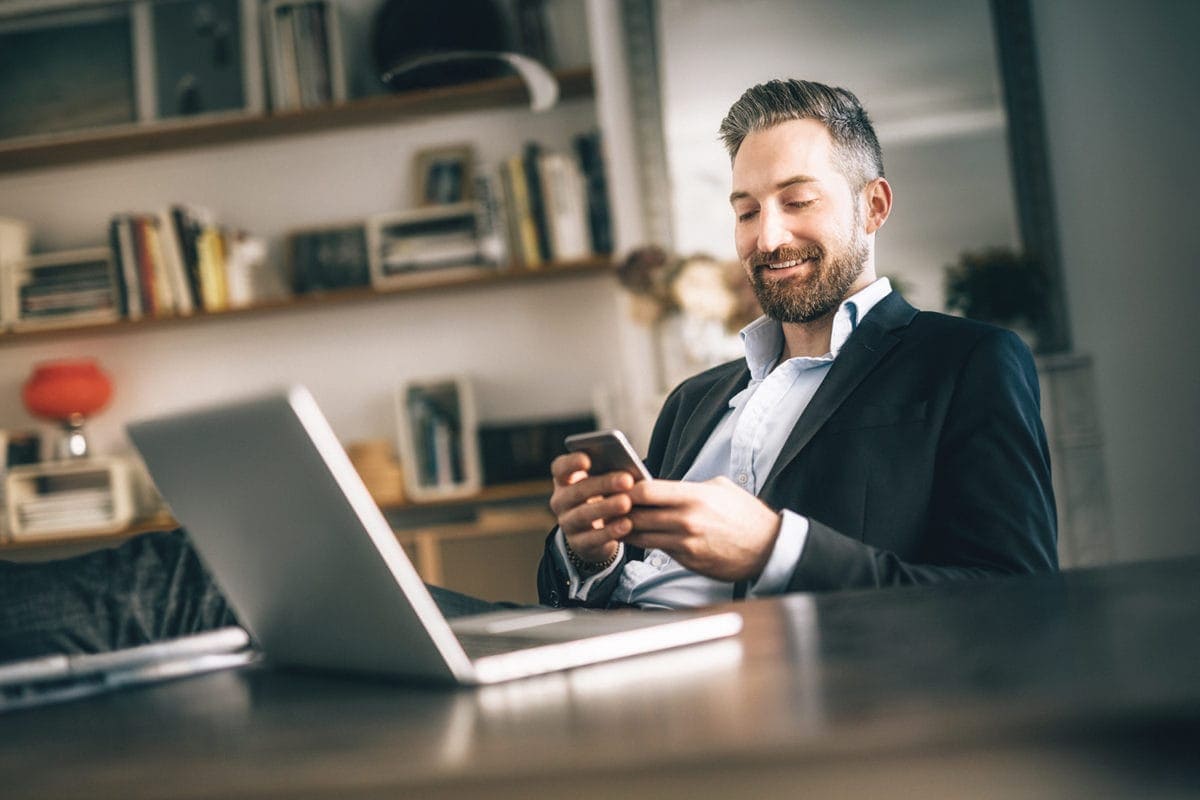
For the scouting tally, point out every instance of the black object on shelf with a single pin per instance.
(522, 451)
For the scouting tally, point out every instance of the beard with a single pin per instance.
(809, 298)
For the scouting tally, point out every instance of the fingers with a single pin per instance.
(566, 468)
(568, 496)
(593, 515)
(663, 493)
(594, 544)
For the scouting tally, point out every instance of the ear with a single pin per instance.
(878, 198)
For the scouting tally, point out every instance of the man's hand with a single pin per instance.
(591, 509)
(714, 528)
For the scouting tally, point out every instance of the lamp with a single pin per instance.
(67, 391)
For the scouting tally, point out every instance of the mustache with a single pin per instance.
(761, 259)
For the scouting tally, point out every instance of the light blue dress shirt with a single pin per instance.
(743, 447)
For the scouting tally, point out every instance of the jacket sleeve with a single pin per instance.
(992, 507)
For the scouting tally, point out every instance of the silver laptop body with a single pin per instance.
(313, 570)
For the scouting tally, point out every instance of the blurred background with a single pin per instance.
(1058, 131)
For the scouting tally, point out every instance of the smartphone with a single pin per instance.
(609, 451)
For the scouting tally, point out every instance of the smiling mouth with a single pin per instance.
(796, 262)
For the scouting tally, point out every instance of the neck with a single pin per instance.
(808, 339)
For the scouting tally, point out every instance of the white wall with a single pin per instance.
(1120, 83)
(924, 69)
(533, 349)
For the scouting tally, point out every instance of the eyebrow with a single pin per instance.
(783, 184)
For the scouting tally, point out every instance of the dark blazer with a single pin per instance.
(921, 458)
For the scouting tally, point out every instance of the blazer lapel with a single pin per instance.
(869, 343)
(704, 418)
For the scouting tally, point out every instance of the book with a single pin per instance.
(128, 268)
(591, 161)
(490, 224)
(525, 229)
(172, 256)
(164, 297)
(186, 230)
(565, 202)
(531, 161)
(304, 54)
(211, 249)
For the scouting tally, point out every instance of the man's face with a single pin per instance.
(799, 228)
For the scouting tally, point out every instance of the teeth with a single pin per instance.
(786, 264)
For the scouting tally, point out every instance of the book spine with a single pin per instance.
(562, 187)
(212, 279)
(493, 245)
(591, 162)
(537, 207)
(129, 268)
(146, 276)
(186, 231)
(526, 227)
(164, 298)
(172, 253)
(114, 244)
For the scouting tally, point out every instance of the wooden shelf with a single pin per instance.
(160, 136)
(549, 272)
(500, 493)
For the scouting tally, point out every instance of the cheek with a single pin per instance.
(745, 240)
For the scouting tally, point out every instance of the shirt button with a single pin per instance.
(742, 478)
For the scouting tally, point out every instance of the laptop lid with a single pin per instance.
(278, 514)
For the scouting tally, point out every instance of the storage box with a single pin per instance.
(59, 499)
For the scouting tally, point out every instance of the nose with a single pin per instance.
(773, 232)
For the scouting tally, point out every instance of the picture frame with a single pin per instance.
(444, 175)
(63, 289)
(328, 257)
(426, 245)
(84, 66)
(45, 95)
(437, 438)
(206, 58)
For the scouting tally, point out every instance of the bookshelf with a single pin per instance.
(506, 277)
(163, 136)
(541, 340)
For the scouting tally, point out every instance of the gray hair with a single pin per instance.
(856, 148)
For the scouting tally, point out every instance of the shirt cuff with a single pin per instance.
(789, 546)
(579, 587)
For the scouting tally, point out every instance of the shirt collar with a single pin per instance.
(763, 338)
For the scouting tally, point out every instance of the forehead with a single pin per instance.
(800, 147)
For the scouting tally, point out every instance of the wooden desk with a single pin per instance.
(1081, 685)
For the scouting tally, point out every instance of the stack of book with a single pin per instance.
(556, 205)
(76, 509)
(179, 261)
(304, 54)
(62, 289)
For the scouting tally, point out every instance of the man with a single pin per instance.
(860, 443)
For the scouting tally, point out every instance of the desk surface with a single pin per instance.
(1075, 685)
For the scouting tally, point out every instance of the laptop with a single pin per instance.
(314, 571)
(59, 677)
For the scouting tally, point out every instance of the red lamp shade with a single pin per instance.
(60, 390)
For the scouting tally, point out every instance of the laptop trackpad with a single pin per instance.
(498, 623)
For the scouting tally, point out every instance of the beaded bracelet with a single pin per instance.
(590, 567)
